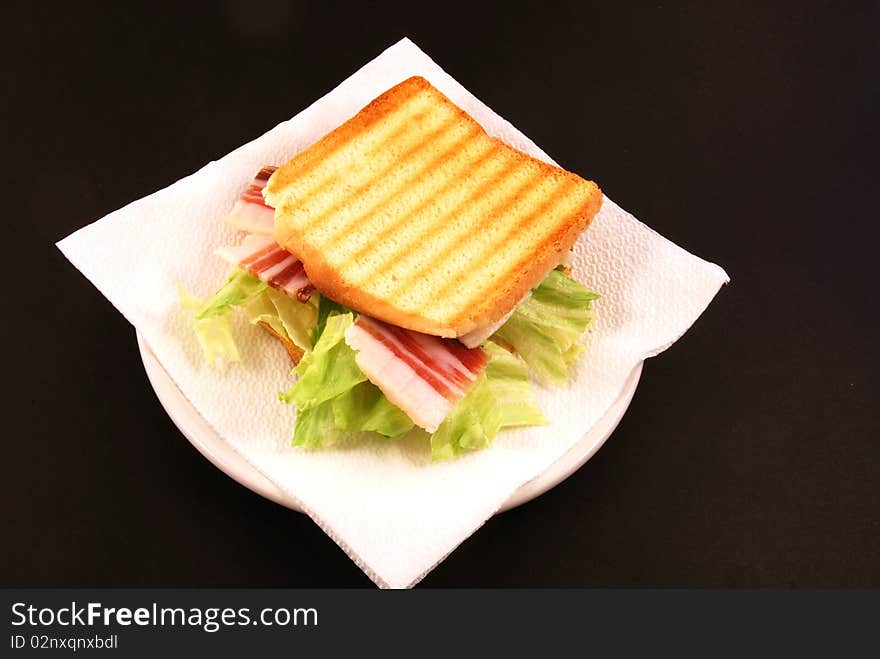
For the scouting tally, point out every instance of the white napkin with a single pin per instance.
(394, 512)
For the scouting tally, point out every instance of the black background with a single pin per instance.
(746, 134)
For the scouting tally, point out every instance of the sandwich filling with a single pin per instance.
(250, 213)
(423, 375)
(262, 257)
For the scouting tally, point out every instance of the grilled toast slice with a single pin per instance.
(409, 212)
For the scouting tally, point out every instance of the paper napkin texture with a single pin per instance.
(386, 504)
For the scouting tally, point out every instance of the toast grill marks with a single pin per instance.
(402, 249)
(411, 265)
(405, 231)
(332, 143)
(377, 198)
(385, 243)
(425, 254)
(250, 212)
(323, 184)
(337, 203)
(488, 257)
(423, 375)
(321, 163)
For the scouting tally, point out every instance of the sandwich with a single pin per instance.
(416, 270)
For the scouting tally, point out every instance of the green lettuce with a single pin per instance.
(364, 408)
(316, 427)
(333, 396)
(335, 399)
(238, 289)
(501, 397)
(328, 370)
(326, 308)
(211, 316)
(545, 329)
(214, 333)
(286, 316)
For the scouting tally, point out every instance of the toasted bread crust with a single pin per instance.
(293, 350)
(456, 240)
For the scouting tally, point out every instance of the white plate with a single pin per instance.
(225, 458)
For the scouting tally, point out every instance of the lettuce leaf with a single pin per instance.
(545, 329)
(286, 316)
(502, 397)
(211, 321)
(315, 427)
(364, 408)
(328, 370)
(261, 310)
(539, 350)
(326, 308)
(239, 289)
(333, 396)
(214, 333)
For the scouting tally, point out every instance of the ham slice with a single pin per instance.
(423, 375)
(250, 212)
(262, 257)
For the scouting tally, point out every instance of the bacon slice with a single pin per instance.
(423, 375)
(259, 254)
(262, 257)
(250, 212)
